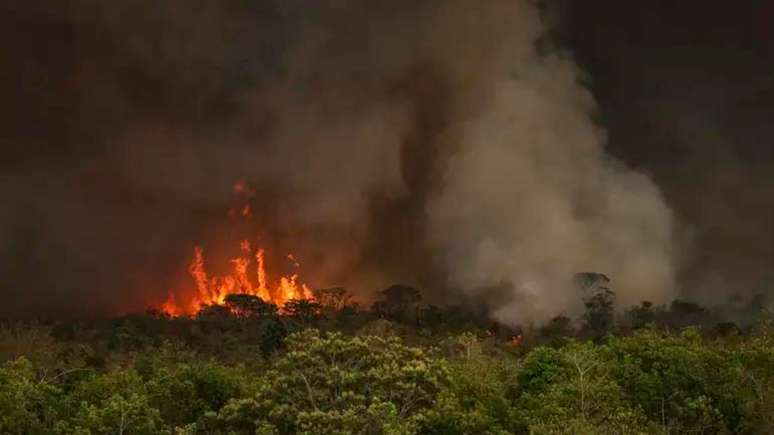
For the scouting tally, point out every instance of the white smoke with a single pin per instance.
(530, 197)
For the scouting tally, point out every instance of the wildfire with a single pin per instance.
(248, 276)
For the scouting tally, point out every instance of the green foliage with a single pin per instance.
(679, 380)
(585, 427)
(475, 400)
(239, 370)
(183, 393)
(756, 358)
(117, 414)
(184, 388)
(26, 405)
(572, 384)
(330, 383)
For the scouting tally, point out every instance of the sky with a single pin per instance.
(99, 100)
(686, 93)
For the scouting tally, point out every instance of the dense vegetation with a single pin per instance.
(328, 367)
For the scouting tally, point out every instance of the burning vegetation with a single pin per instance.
(247, 277)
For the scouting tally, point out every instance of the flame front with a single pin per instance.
(247, 277)
(214, 289)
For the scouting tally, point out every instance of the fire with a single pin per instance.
(248, 276)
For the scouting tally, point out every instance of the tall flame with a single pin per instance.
(248, 265)
(214, 289)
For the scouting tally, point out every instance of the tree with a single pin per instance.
(679, 381)
(398, 302)
(684, 313)
(573, 387)
(249, 306)
(757, 376)
(183, 387)
(592, 282)
(642, 315)
(272, 337)
(557, 329)
(475, 400)
(468, 344)
(27, 406)
(117, 414)
(305, 312)
(114, 402)
(329, 383)
(600, 312)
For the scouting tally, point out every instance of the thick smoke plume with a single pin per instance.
(444, 144)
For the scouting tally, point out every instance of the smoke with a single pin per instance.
(530, 197)
(444, 144)
(688, 106)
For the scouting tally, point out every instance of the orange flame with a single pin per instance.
(213, 290)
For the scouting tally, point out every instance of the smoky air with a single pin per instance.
(452, 146)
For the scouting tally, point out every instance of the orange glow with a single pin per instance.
(170, 306)
(213, 290)
(248, 276)
(244, 189)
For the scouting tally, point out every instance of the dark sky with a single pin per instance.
(685, 90)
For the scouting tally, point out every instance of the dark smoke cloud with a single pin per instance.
(444, 144)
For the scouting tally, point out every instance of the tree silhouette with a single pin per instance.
(599, 313)
(398, 302)
(249, 306)
(642, 315)
(305, 311)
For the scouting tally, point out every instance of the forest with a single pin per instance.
(400, 366)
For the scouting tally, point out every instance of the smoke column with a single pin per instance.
(530, 197)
